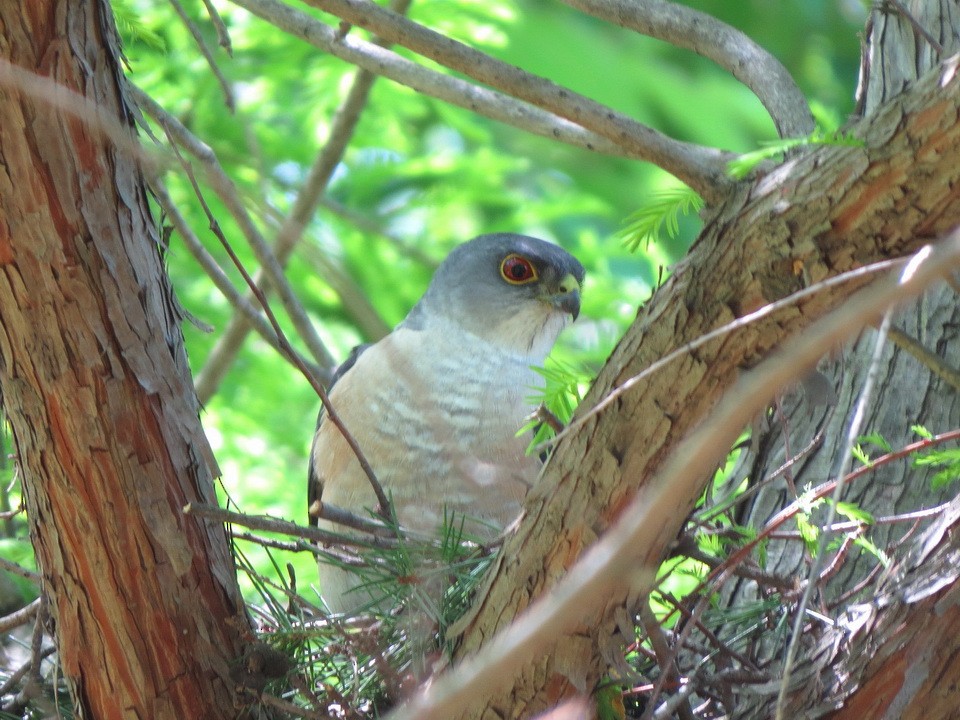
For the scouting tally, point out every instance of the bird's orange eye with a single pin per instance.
(517, 270)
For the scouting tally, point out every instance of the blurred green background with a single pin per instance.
(420, 177)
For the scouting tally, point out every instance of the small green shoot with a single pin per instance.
(922, 432)
(743, 165)
(854, 513)
(663, 213)
(560, 395)
(877, 440)
(133, 28)
(860, 454)
(948, 462)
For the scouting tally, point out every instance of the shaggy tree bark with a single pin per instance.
(97, 389)
(824, 212)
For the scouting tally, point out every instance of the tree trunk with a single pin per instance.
(898, 635)
(828, 210)
(97, 389)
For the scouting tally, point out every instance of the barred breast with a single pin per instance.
(439, 430)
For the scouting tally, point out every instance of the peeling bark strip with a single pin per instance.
(98, 392)
(828, 211)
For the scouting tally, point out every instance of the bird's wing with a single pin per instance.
(314, 485)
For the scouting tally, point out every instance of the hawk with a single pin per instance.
(436, 405)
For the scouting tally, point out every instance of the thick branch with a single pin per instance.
(627, 556)
(728, 47)
(826, 212)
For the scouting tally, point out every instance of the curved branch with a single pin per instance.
(702, 168)
(715, 40)
(455, 91)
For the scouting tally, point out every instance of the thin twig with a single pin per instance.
(12, 567)
(223, 37)
(288, 708)
(851, 525)
(227, 192)
(856, 275)
(197, 36)
(384, 537)
(385, 507)
(18, 674)
(666, 659)
(291, 230)
(917, 27)
(844, 459)
(19, 617)
(930, 360)
(602, 572)
(213, 270)
(729, 48)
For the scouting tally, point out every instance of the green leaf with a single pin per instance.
(132, 27)
(663, 213)
(878, 440)
(743, 165)
(809, 532)
(867, 545)
(854, 512)
(860, 454)
(948, 460)
(561, 394)
(922, 432)
(609, 700)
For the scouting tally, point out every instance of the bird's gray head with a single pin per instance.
(510, 290)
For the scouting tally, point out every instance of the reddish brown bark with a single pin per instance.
(97, 390)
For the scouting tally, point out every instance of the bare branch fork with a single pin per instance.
(541, 107)
(702, 168)
(386, 508)
(715, 40)
(455, 91)
(227, 192)
(608, 569)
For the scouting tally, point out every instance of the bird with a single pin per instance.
(436, 405)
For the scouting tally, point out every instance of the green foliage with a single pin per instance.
(744, 164)
(662, 214)
(609, 702)
(877, 440)
(947, 462)
(563, 390)
(132, 27)
(921, 431)
(860, 454)
(854, 512)
(413, 592)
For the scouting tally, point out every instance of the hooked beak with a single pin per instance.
(567, 297)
